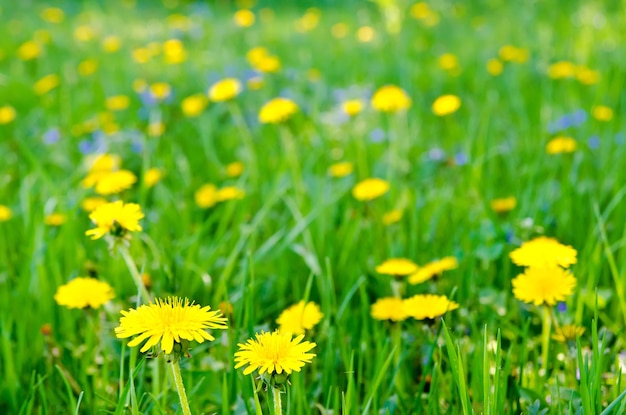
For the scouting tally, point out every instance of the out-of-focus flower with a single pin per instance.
(365, 34)
(341, 169)
(339, 30)
(160, 90)
(52, 15)
(422, 11)
(587, 76)
(352, 107)
(92, 203)
(87, 67)
(174, 52)
(83, 292)
(277, 110)
(389, 308)
(503, 205)
(5, 213)
(28, 51)
(152, 176)
(446, 104)
(7, 114)
(561, 69)
(602, 113)
(206, 196)
(299, 317)
(509, 53)
(370, 189)
(193, 105)
(397, 267)
(111, 44)
(547, 285)
(244, 18)
(433, 269)
(308, 21)
(84, 33)
(230, 193)
(117, 102)
(543, 252)
(567, 333)
(428, 306)
(390, 98)
(55, 219)
(560, 145)
(225, 90)
(494, 67)
(449, 62)
(393, 216)
(234, 169)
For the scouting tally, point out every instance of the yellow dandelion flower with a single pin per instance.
(116, 218)
(169, 322)
(299, 317)
(567, 333)
(156, 129)
(313, 74)
(160, 90)
(5, 213)
(235, 169)
(83, 292)
(55, 219)
(140, 85)
(174, 52)
(92, 203)
(274, 353)
(244, 18)
(428, 306)
(52, 15)
(115, 182)
(370, 189)
(230, 193)
(561, 69)
(152, 176)
(341, 169)
(117, 103)
(602, 113)
(393, 216)
(308, 21)
(513, 54)
(494, 67)
(388, 308)
(397, 267)
(546, 285)
(352, 107)
(87, 67)
(446, 104)
(84, 33)
(543, 252)
(421, 11)
(193, 105)
(28, 51)
(225, 90)
(7, 114)
(141, 55)
(560, 145)
(111, 44)
(267, 64)
(206, 196)
(255, 83)
(277, 110)
(503, 205)
(339, 30)
(365, 34)
(390, 98)
(254, 55)
(46, 84)
(448, 62)
(587, 76)
(433, 269)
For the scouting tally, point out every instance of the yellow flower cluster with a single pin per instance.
(261, 60)
(402, 267)
(209, 195)
(419, 307)
(106, 177)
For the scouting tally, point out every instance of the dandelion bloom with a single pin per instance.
(370, 189)
(152, 176)
(254, 55)
(193, 105)
(83, 292)
(111, 44)
(365, 34)
(561, 69)
(115, 218)
(5, 213)
(393, 216)
(115, 182)
(275, 352)
(244, 18)
(7, 114)
(428, 306)
(397, 267)
(28, 50)
(494, 67)
(432, 269)
(446, 104)
(602, 113)
(87, 67)
(503, 205)
(568, 332)
(560, 145)
(225, 90)
(352, 107)
(277, 110)
(92, 203)
(234, 169)
(160, 90)
(55, 219)
(448, 62)
(546, 285)
(341, 169)
(230, 193)
(587, 76)
(390, 98)
(206, 196)
(174, 52)
(267, 64)
(299, 317)
(543, 252)
(168, 321)
(117, 103)
(52, 15)
(46, 84)
(388, 308)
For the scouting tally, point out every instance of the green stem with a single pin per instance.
(246, 135)
(290, 154)
(545, 338)
(180, 388)
(278, 405)
(134, 272)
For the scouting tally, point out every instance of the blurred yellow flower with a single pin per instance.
(494, 67)
(256, 54)
(83, 292)
(52, 15)
(543, 252)
(428, 306)
(5, 213)
(225, 90)
(206, 196)
(503, 205)
(193, 105)
(308, 21)
(244, 18)
(397, 267)
(92, 203)
(352, 107)
(111, 44)
(547, 285)
(115, 182)
(567, 332)
(84, 33)
(393, 216)
(156, 129)
(42, 36)
(277, 110)
(152, 176)
(509, 53)
(116, 218)
(87, 67)
(602, 113)
(365, 34)
(255, 83)
(234, 169)
(446, 104)
(230, 193)
(587, 76)
(55, 219)
(341, 169)
(28, 51)
(339, 30)
(7, 114)
(561, 69)
(299, 317)
(141, 55)
(390, 98)
(448, 62)
(174, 52)
(160, 90)
(421, 11)
(117, 102)
(388, 308)
(560, 145)
(140, 85)
(370, 189)
(433, 269)
(267, 64)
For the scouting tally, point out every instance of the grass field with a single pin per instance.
(487, 124)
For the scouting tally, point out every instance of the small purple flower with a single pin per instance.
(460, 159)
(561, 307)
(593, 142)
(377, 135)
(51, 136)
(578, 117)
(620, 138)
(86, 147)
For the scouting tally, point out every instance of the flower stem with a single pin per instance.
(278, 405)
(180, 388)
(545, 338)
(134, 272)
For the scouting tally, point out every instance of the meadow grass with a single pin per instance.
(299, 234)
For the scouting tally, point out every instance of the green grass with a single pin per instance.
(298, 233)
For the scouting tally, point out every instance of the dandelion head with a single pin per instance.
(446, 104)
(388, 308)
(428, 306)
(277, 110)
(545, 285)
(543, 252)
(390, 98)
(560, 145)
(83, 292)
(370, 189)
(225, 90)
(398, 267)
(299, 317)
(116, 218)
